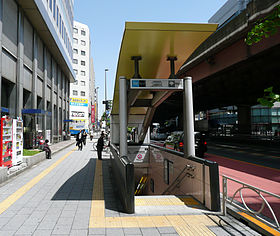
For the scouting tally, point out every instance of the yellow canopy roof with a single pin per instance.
(154, 42)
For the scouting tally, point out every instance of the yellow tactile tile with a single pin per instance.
(145, 221)
(168, 201)
(129, 222)
(176, 220)
(113, 222)
(161, 221)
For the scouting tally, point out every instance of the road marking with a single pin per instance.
(213, 155)
(4, 205)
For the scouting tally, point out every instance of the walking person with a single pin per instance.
(79, 141)
(100, 145)
(84, 137)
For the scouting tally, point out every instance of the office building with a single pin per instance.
(81, 92)
(35, 65)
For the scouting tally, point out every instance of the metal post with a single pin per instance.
(189, 149)
(224, 196)
(123, 116)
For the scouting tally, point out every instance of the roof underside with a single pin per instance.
(154, 42)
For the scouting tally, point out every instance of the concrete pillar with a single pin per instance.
(189, 148)
(20, 72)
(114, 129)
(244, 119)
(123, 115)
(52, 98)
(1, 23)
(45, 91)
(62, 100)
(57, 99)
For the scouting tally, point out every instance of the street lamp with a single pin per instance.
(96, 107)
(106, 102)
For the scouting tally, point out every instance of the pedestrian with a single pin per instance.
(100, 145)
(47, 149)
(79, 141)
(84, 136)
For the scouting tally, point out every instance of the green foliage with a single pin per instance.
(264, 28)
(27, 152)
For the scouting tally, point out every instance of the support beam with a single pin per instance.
(123, 115)
(189, 148)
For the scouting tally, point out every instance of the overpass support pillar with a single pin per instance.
(123, 116)
(244, 119)
(189, 149)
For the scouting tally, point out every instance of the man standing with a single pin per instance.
(79, 140)
(100, 145)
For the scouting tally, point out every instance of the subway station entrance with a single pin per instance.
(150, 56)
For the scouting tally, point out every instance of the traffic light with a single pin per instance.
(107, 107)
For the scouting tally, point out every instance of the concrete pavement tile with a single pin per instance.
(114, 231)
(65, 221)
(166, 230)
(62, 229)
(150, 232)
(26, 229)
(40, 232)
(218, 231)
(132, 231)
(47, 224)
(96, 231)
(79, 232)
(7, 233)
(68, 214)
(4, 220)
(25, 211)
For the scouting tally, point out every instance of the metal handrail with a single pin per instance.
(257, 190)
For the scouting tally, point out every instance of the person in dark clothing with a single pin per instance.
(84, 136)
(79, 140)
(100, 145)
(47, 149)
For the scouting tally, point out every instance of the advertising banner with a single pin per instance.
(78, 102)
(92, 114)
(77, 114)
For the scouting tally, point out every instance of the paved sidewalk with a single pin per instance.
(73, 194)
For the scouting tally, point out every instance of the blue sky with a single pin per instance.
(106, 19)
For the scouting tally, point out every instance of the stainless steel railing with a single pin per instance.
(244, 207)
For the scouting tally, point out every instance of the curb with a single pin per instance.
(257, 225)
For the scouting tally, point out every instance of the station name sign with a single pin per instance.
(157, 84)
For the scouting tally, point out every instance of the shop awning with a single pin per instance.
(35, 111)
(67, 120)
(4, 109)
(154, 42)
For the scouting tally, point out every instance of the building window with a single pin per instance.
(76, 71)
(50, 4)
(75, 41)
(83, 83)
(83, 42)
(76, 82)
(83, 93)
(54, 6)
(75, 30)
(83, 53)
(75, 50)
(83, 73)
(75, 92)
(83, 32)
(57, 16)
(75, 61)
(83, 63)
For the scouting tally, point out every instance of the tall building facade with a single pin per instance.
(80, 90)
(35, 64)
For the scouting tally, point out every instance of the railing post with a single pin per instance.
(224, 195)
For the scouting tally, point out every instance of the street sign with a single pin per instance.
(157, 84)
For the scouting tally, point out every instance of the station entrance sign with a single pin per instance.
(157, 84)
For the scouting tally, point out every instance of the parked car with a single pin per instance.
(176, 142)
(158, 134)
